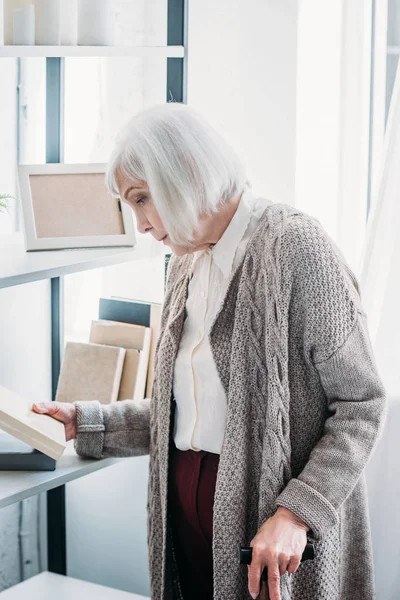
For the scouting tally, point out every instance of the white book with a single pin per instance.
(41, 432)
(137, 340)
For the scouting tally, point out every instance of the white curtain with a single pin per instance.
(380, 273)
(380, 286)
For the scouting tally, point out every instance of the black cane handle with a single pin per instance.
(245, 553)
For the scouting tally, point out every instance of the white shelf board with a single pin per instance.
(393, 50)
(100, 51)
(18, 266)
(18, 485)
(51, 586)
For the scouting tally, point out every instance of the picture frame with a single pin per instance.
(67, 206)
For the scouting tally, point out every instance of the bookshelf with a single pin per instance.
(19, 267)
(94, 51)
(18, 485)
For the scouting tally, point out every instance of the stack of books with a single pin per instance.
(116, 364)
(144, 314)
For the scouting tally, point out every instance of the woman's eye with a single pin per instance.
(141, 200)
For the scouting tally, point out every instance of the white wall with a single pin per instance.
(332, 120)
(242, 77)
(9, 570)
(106, 527)
(318, 109)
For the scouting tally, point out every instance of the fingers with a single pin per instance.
(283, 562)
(58, 410)
(274, 579)
(293, 565)
(277, 565)
(44, 407)
(254, 576)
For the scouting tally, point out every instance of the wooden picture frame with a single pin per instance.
(68, 206)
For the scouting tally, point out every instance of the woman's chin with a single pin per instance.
(178, 250)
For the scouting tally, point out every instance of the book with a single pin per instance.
(147, 314)
(136, 339)
(42, 432)
(115, 333)
(90, 372)
(129, 379)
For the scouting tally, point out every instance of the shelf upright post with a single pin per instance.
(56, 513)
(177, 35)
(177, 68)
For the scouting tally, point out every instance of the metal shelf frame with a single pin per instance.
(177, 35)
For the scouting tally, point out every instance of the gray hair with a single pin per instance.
(188, 167)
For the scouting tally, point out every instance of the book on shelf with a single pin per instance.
(136, 339)
(136, 312)
(42, 432)
(90, 372)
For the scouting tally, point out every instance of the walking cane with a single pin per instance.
(245, 554)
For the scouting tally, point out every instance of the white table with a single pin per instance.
(50, 586)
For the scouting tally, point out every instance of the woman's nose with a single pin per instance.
(143, 226)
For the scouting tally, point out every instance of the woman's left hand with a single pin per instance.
(278, 545)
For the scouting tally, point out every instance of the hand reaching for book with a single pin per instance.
(61, 411)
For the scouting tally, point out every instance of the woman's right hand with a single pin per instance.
(62, 411)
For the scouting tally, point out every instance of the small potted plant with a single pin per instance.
(4, 201)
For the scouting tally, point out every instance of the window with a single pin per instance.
(8, 148)
(393, 48)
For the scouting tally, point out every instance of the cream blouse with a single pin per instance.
(200, 413)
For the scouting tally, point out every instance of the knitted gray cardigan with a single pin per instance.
(305, 406)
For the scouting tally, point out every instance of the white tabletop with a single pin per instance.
(50, 586)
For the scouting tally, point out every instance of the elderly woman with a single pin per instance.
(267, 402)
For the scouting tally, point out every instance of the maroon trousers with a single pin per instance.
(191, 499)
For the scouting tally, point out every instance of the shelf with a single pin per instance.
(48, 586)
(99, 51)
(18, 266)
(393, 50)
(18, 485)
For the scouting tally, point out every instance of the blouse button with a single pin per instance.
(202, 294)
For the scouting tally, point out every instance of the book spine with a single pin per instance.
(124, 311)
(118, 374)
(141, 377)
(155, 324)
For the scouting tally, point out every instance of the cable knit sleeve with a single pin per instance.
(118, 429)
(337, 342)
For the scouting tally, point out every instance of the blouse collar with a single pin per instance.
(223, 252)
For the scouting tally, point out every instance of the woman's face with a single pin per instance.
(137, 195)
